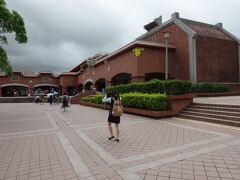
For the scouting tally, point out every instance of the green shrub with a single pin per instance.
(94, 99)
(171, 87)
(210, 88)
(136, 100)
(176, 87)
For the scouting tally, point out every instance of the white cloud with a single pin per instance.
(62, 33)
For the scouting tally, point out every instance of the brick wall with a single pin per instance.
(217, 60)
(180, 39)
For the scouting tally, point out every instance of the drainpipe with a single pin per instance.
(192, 59)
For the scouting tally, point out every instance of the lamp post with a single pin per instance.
(30, 88)
(105, 75)
(166, 36)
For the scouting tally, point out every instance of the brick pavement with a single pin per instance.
(42, 142)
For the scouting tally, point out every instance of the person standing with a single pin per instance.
(50, 99)
(110, 98)
(65, 102)
(42, 99)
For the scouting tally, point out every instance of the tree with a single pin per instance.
(10, 21)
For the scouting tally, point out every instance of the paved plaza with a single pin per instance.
(43, 142)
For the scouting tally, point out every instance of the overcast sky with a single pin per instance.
(62, 33)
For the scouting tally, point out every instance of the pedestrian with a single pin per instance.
(111, 97)
(42, 99)
(50, 99)
(65, 102)
(37, 99)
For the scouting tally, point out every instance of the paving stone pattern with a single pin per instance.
(43, 142)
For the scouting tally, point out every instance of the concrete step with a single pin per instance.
(218, 105)
(211, 115)
(211, 111)
(76, 99)
(226, 108)
(208, 119)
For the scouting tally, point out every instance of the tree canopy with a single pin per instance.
(10, 22)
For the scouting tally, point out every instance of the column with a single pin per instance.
(64, 90)
(138, 79)
(109, 83)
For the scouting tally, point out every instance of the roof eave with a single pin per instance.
(230, 34)
(134, 44)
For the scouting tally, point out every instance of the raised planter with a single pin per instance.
(76, 99)
(16, 99)
(175, 104)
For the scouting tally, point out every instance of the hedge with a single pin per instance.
(145, 101)
(170, 87)
(136, 100)
(210, 88)
(94, 99)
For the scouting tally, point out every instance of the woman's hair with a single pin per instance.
(115, 95)
(109, 94)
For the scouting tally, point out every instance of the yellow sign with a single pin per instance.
(138, 51)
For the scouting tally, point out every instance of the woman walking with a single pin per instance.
(65, 102)
(111, 98)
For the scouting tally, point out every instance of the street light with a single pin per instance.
(166, 36)
(30, 88)
(105, 75)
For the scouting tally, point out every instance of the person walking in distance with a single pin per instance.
(113, 116)
(65, 102)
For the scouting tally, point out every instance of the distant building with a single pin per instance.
(196, 51)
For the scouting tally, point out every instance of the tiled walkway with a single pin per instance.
(43, 142)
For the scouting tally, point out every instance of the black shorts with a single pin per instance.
(113, 119)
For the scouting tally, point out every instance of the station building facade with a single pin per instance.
(195, 51)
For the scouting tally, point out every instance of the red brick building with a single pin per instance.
(196, 51)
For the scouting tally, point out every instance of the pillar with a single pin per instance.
(64, 90)
(109, 83)
(30, 91)
(138, 79)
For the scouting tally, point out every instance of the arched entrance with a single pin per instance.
(46, 88)
(100, 84)
(71, 90)
(88, 86)
(11, 90)
(122, 78)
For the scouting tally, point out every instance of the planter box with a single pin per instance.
(16, 100)
(175, 104)
(76, 99)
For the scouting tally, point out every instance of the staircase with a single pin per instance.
(216, 113)
(76, 99)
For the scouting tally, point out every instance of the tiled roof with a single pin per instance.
(204, 29)
(92, 60)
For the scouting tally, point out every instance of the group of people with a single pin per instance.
(112, 98)
(51, 99)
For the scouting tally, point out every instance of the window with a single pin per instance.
(154, 39)
(45, 79)
(15, 78)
